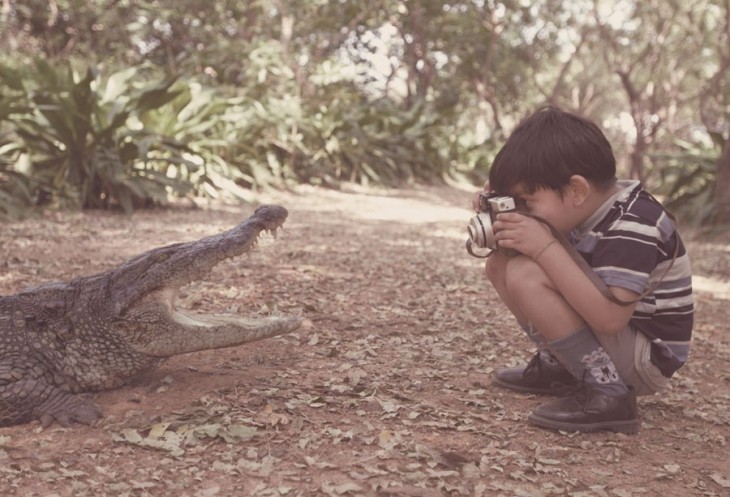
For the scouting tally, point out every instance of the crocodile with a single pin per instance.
(59, 341)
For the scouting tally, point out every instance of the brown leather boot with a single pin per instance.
(589, 410)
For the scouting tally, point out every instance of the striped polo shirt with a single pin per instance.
(629, 242)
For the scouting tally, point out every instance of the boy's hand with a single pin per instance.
(475, 197)
(522, 233)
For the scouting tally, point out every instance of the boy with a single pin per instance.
(596, 352)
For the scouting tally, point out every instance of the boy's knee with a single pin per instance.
(494, 270)
(525, 275)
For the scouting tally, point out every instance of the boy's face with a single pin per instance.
(549, 205)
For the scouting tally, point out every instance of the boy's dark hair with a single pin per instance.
(549, 147)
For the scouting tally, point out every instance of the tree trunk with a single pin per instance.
(636, 165)
(722, 186)
(641, 145)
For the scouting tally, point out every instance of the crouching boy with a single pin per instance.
(596, 350)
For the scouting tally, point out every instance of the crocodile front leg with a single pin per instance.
(24, 398)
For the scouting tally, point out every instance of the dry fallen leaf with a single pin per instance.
(385, 391)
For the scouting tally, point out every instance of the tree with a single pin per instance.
(658, 54)
(714, 105)
(722, 186)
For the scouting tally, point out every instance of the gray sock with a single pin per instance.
(582, 354)
(546, 357)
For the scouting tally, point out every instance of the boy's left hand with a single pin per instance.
(522, 233)
(475, 197)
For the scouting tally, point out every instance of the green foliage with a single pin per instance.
(84, 141)
(381, 144)
(284, 140)
(15, 188)
(336, 134)
(270, 93)
(688, 180)
(72, 136)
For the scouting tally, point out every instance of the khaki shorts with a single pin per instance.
(630, 351)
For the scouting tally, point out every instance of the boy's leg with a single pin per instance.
(606, 403)
(629, 350)
(544, 374)
(631, 353)
(496, 269)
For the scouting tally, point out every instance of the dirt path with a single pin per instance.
(386, 390)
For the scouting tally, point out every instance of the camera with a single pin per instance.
(481, 232)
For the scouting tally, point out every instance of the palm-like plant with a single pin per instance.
(77, 137)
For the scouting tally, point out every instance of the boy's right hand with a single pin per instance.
(475, 197)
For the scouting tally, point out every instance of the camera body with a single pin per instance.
(480, 228)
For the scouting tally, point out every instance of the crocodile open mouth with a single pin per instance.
(192, 319)
(146, 287)
(157, 327)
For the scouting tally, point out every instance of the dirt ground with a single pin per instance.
(385, 391)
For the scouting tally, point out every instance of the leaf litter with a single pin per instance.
(385, 391)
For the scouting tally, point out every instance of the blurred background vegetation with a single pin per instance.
(127, 103)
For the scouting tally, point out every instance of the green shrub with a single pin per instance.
(688, 180)
(81, 140)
